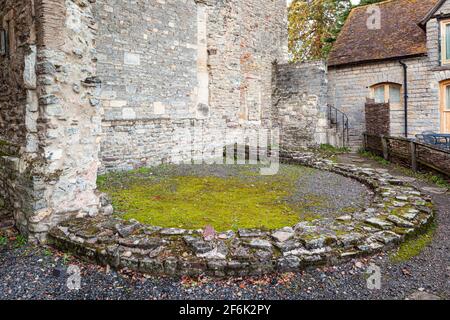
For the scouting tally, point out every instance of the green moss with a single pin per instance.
(414, 246)
(429, 177)
(244, 200)
(331, 152)
(370, 155)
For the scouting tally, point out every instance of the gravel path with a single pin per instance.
(38, 273)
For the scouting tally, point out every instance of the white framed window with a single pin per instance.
(445, 41)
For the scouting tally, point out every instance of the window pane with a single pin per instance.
(447, 41)
(379, 94)
(447, 96)
(394, 94)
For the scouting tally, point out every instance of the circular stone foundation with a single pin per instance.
(232, 197)
(349, 212)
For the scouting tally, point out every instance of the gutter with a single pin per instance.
(405, 98)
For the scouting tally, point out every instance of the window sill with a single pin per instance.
(441, 68)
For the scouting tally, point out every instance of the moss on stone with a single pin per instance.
(245, 200)
(415, 245)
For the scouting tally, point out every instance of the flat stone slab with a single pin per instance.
(172, 251)
(284, 234)
(435, 190)
(400, 222)
(422, 295)
(260, 244)
(379, 223)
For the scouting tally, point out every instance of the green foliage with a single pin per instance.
(312, 25)
(430, 177)
(20, 241)
(3, 241)
(370, 155)
(331, 149)
(414, 246)
(245, 200)
(315, 25)
(66, 258)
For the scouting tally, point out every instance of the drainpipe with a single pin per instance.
(405, 91)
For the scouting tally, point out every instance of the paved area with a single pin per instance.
(39, 273)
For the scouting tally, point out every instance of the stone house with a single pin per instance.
(394, 52)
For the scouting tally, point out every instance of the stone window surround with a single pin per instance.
(8, 27)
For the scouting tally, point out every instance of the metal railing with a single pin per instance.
(339, 120)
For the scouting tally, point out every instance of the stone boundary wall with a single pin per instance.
(378, 118)
(398, 211)
(409, 153)
(300, 104)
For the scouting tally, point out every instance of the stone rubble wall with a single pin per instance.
(171, 68)
(51, 176)
(65, 171)
(300, 104)
(18, 108)
(99, 85)
(398, 211)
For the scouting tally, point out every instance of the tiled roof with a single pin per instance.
(399, 36)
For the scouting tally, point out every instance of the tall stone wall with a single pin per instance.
(49, 156)
(171, 69)
(300, 104)
(18, 107)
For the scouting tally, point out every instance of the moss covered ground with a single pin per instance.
(226, 197)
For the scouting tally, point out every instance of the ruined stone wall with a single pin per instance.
(49, 159)
(175, 69)
(18, 105)
(151, 74)
(349, 87)
(300, 104)
(16, 17)
(65, 169)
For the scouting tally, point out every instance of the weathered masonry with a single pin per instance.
(94, 85)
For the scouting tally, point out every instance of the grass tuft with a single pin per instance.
(414, 246)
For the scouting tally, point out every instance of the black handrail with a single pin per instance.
(345, 123)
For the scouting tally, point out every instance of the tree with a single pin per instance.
(314, 26)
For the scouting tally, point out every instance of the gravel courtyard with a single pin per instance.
(28, 272)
